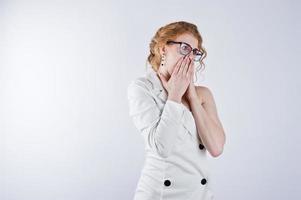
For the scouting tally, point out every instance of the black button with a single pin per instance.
(201, 146)
(167, 182)
(203, 181)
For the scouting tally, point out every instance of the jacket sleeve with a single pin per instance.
(160, 129)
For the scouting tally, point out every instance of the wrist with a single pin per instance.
(174, 98)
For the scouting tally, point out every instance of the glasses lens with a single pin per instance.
(197, 55)
(185, 49)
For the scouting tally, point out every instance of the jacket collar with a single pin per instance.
(157, 86)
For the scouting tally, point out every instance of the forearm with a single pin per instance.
(208, 131)
(165, 134)
(159, 127)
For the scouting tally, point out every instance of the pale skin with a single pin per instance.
(177, 79)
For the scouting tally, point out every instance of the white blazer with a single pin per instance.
(176, 165)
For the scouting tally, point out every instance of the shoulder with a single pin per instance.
(141, 81)
(204, 93)
(138, 85)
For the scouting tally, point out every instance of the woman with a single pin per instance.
(178, 120)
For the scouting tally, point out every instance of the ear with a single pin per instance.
(162, 50)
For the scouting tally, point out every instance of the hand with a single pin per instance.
(179, 79)
(191, 93)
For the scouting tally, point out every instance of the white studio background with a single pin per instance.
(65, 133)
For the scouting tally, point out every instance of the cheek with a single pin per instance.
(171, 65)
(172, 61)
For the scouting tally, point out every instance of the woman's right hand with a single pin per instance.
(179, 79)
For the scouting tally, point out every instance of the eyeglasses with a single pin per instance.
(185, 49)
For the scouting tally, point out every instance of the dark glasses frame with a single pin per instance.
(196, 51)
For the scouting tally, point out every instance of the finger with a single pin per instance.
(191, 66)
(187, 67)
(183, 66)
(191, 71)
(178, 64)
